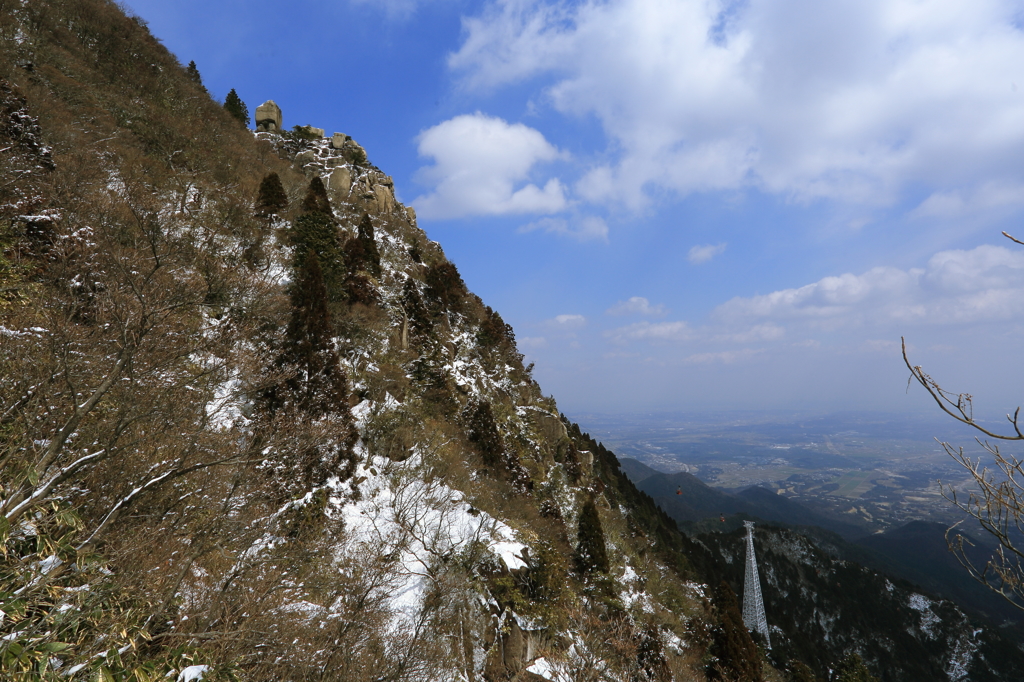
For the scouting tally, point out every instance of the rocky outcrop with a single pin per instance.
(268, 117)
(512, 650)
(339, 183)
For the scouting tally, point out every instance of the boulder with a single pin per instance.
(319, 132)
(268, 117)
(514, 647)
(411, 212)
(338, 140)
(302, 158)
(549, 425)
(339, 183)
(385, 199)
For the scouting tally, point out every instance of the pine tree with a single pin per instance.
(316, 233)
(419, 319)
(317, 386)
(487, 441)
(316, 200)
(445, 287)
(591, 555)
(272, 197)
(369, 242)
(234, 105)
(193, 73)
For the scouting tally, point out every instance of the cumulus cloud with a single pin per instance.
(702, 254)
(637, 305)
(480, 166)
(589, 228)
(855, 100)
(984, 284)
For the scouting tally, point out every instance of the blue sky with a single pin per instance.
(684, 204)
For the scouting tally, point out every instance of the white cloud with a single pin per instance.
(637, 305)
(702, 254)
(854, 99)
(956, 204)
(651, 331)
(957, 287)
(569, 321)
(589, 228)
(479, 161)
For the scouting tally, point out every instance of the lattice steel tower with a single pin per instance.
(753, 604)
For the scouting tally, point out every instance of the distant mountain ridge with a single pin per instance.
(688, 499)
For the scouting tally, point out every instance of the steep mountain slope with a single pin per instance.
(818, 604)
(918, 552)
(253, 426)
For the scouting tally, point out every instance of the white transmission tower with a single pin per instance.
(753, 604)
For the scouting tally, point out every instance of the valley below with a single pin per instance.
(875, 471)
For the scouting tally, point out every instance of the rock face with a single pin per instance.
(339, 183)
(268, 117)
(338, 140)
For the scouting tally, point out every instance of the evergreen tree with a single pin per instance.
(494, 331)
(234, 105)
(272, 197)
(445, 287)
(487, 441)
(736, 655)
(316, 233)
(317, 386)
(419, 319)
(369, 242)
(591, 555)
(193, 73)
(316, 200)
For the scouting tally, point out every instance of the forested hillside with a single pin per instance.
(253, 425)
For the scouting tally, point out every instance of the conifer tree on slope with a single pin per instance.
(234, 105)
(591, 555)
(193, 73)
(317, 387)
(272, 197)
(369, 243)
(316, 200)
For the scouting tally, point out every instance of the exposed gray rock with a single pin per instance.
(411, 212)
(319, 132)
(339, 183)
(385, 199)
(338, 140)
(303, 158)
(268, 117)
(549, 425)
